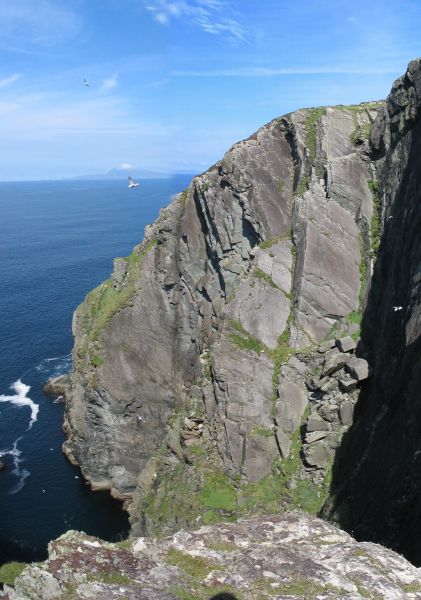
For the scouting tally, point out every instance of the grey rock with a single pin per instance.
(316, 423)
(317, 454)
(346, 344)
(358, 368)
(290, 406)
(315, 436)
(325, 346)
(334, 361)
(346, 412)
(261, 309)
(279, 550)
(58, 386)
(348, 385)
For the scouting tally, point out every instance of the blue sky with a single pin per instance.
(174, 83)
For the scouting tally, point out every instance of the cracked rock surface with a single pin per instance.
(285, 556)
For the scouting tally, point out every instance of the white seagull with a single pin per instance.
(396, 308)
(140, 417)
(85, 82)
(391, 217)
(132, 183)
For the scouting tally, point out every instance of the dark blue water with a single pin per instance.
(57, 242)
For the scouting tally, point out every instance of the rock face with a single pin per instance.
(278, 557)
(377, 485)
(217, 372)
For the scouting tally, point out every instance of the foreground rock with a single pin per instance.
(278, 557)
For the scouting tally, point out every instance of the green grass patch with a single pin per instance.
(412, 587)
(363, 106)
(281, 185)
(280, 355)
(259, 274)
(204, 188)
(195, 566)
(96, 360)
(244, 340)
(114, 577)
(303, 185)
(218, 493)
(10, 571)
(102, 303)
(313, 117)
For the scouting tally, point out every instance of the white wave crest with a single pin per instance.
(21, 474)
(55, 366)
(20, 399)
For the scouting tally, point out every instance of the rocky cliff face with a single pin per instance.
(217, 371)
(379, 498)
(290, 556)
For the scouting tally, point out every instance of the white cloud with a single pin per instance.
(109, 84)
(125, 167)
(9, 80)
(40, 23)
(213, 16)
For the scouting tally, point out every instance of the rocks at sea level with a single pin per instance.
(57, 386)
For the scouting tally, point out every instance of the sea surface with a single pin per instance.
(57, 241)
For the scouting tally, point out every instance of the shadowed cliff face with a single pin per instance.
(217, 371)
(377, 482)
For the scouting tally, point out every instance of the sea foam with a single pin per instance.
(20, 399)
(20, 473)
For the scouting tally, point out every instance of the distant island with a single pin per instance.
(123, 173)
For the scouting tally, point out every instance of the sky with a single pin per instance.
(174, 83)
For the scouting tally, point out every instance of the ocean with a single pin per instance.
(57, 242)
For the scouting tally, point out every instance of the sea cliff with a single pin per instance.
(248, 350)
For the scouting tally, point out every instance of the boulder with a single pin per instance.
(315, 436)
(317, 454)
(358, 368)
(346, 413)
(346, 344)
(2, 465)
(325, 346)
(347, 385)
(316, 423)
(57, 386)
(334, 361)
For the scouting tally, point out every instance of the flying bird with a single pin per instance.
(396, 308)
(85, 82)
(132, 183)
(391, 217)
